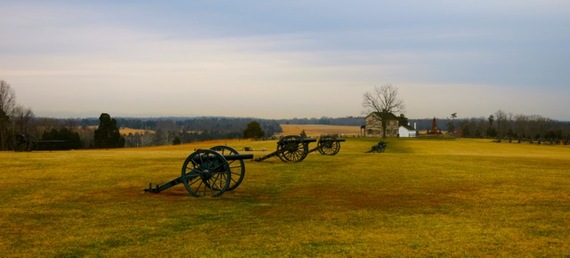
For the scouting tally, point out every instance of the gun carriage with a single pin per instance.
(209, 172)
(291, 148)
(295, 148)
(27, 142)
(22, 142)
(379, 147)
(328, 145)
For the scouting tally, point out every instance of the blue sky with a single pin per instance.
(285, 59)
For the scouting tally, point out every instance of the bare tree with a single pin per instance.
(22, 119)
(474, 127)
(451, 124)
(502, 124)
(7, 97)
(521, 126)
(3, 129)
(7, 104)
(383, 101)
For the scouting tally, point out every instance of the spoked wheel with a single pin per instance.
(292, 149)
(381, 147)
(206, 173)
(18, 142)
(31, 143)
(328, 145)
(237, 167)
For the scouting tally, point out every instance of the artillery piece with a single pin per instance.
(291, 148)
(22, 142)
(209, 172)
(380, 147)
(328, 145)
(27, 142)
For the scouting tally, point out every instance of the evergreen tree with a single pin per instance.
(107, 134)
(69, 140)
(254, 131)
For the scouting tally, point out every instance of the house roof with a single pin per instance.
(388, 116)
(408, 127)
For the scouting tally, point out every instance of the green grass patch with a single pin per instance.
(422, 197)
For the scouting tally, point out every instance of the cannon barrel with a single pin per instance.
(302, 140)
(332, 140)
(231, 157)
(238, 157)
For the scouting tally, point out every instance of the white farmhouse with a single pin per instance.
(406, 131)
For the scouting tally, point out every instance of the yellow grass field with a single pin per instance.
(317, 130)
(288, 129)
(127, 131)
(422, 197)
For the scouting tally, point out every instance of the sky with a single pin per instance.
(286, 59)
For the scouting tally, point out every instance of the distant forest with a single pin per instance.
(167, 130)
(177, 130)
(502, 126)
(138, 132)
(19, 127)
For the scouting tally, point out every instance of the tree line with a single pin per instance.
(163, 131)
(503, 126)
(18, 124)
(13, 117)
(65, 134)
(104, 132)
(510, 127)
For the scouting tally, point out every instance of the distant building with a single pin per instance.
(407, 131)
(374, 124)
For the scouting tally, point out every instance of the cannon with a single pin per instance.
(22, 142)
(209, 172)
(380, 147)
(328, 145)
(27, 142)
(291, 148)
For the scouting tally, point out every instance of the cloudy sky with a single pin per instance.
(285, 59)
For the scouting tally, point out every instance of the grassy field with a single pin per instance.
(317, 130)
(422, 197)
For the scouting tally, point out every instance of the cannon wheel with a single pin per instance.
(379, 148)
(292, 149)
(328, 146)
(18, 142)
(237, 167)
(206, 173)
(22, 142)
(31, 143)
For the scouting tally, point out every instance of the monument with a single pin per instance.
(434, 129)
